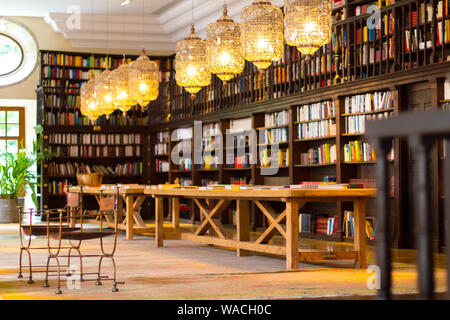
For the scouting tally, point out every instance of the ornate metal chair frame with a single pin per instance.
(33, 229)
(108, 206)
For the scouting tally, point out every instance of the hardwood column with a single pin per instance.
(130, 213)
(159, 222)
(243, 224)
(292, 207)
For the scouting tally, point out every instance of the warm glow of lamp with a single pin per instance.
(191, 64)
(120, 88)
(307, 24)
(143, 80)
(262, 33)
(104, 96)
(223, 47)
(88, 106)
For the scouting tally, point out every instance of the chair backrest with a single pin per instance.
(72, 200)
(107, 203)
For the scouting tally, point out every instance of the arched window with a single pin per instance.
(18, 52)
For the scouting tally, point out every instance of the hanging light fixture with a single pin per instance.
(88, 100)
(307, 24)
(262, 33)
(104, 95)
(223, 46)
(191, 63)
(143, 80)
(120, 88)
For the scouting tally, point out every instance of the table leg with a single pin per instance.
(243, 224)
(130, 221)
(120, 211)
(176, 214)
(159, 221)
(292, 259)
(360, 232)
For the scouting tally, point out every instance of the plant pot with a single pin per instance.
(8, 211)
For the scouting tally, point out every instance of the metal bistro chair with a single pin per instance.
(30, 228)
(108, 207)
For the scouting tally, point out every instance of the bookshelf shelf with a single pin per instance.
(316, 120)
(315, 139)
(367, 113)
(315, 165)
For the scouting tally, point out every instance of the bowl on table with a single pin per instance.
(89, 179)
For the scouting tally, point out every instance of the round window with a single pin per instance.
(11, 55)
(18, 52)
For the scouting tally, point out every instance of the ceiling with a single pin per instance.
(105, 24)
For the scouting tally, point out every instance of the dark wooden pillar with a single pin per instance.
(383, 233)
(423, 215)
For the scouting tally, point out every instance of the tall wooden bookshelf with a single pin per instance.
(118, 147)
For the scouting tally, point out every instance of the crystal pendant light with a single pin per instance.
(308, 24)
(104, 96)
(88, 100)
(120, 88)
(143, 80)
(262, 33)
(191, 70)
(223, 46)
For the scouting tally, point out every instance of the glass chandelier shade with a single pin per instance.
(262, 40)
(143, 80)
(191, 64)
(104, 95)
(223, 46)
(88, 106)
(120, 88)
(307, 24)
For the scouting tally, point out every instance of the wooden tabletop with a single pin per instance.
(265, 193)
(110, 189)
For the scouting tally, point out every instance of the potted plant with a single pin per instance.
(17, 175)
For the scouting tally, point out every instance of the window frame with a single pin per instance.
(21, 138)
(22, 57)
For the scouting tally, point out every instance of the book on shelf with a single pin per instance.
(276, 135)
(318, 185)
(316, 111)
(96, 151)
(162, 165)
(57, 187)
(317, 129)
(94, 138)
(183, 182)
(324, 154)
(349, 222)
(72, 168)
(360, 151)
(357, 123)
(369, 102)
(305, 223)
(282, 159)
(240, 181)
(276, 118)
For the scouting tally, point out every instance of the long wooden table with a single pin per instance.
(213, 203)
(129, 211)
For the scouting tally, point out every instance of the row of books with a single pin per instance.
(72, 168)
(211, 129)
(318, 129)
(282, 158)
(94, 138)
(208, 143)
(357, 123)
(73, 74)
(76, 119)
(96, 151)
(57, 187)
(62, 59)
(162, 165)
(238, 161)
(239, 180)
(359, 151)
(369, 102)
(324, 154)
(185, 164)
(276, 135)
(276, 119)
(210, 162)
(162, 137)
(316, 111)
(161, 149)
(310, 223)
(57, 100)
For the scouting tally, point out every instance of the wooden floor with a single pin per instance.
(188, 270)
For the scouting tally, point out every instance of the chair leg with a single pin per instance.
(58, 289)
(20, 276)
(98, 282)
(46, 285)
(114, 288)
(30, 279)
(68, 262)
